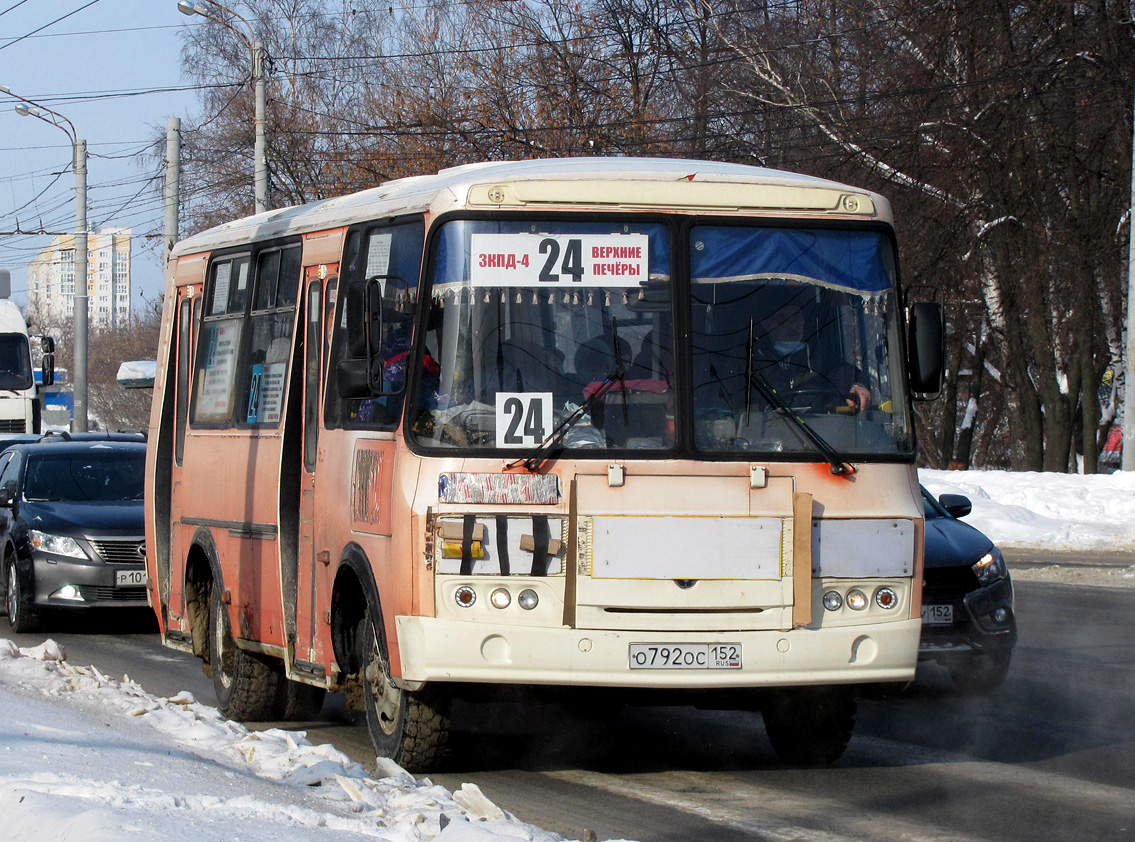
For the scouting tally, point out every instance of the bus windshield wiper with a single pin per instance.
(542, 451)
(756, 379)
(540, 454)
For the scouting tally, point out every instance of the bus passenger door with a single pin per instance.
(172, 592)
(315, 570)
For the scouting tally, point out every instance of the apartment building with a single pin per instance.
(51, 279)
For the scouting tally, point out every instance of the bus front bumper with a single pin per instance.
(453, 651)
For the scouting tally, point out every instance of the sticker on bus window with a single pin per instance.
(378, 254)
(563, 260)
(524, 419)
(221, 282)
(266, 393)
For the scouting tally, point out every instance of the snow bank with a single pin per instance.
(1048, 511)
(343, 798)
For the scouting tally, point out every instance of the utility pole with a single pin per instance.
(27, 108)
(173, 181)
(258, 57)
(79, 421)
(260, 148)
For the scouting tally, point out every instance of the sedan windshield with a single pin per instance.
(98, 476)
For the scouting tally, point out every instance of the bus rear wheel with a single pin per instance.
(244, 684)
(411, 728)
(810, 726)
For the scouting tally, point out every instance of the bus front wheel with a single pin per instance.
(810, 726)
(245, 685)
(411, 728)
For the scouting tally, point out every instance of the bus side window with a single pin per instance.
(220, 342)
(264, 366)
(392, 254)
(184, 330)
(312, 348)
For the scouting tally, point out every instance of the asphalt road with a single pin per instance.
(1050, 756)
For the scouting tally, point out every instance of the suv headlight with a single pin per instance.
(45, 542)
(990, 567)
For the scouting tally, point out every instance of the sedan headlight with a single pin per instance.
(45, 542)
(990, 567)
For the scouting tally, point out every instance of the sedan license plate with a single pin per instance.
(129, 578)
(685, 656)
(937, 615)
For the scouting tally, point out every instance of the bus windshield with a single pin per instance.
(531, 321)
(15, 362)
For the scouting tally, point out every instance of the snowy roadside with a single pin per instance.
(1068, 513)
(88, 756)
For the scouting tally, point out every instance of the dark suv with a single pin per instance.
(968, 624)
(71, 527)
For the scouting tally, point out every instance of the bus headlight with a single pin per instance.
(833, 601)
(500, 598)
(856, 600)
(528, 599)
(465, 596)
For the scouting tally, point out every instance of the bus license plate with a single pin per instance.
(685, 656)
(127, 578)
(937, 615)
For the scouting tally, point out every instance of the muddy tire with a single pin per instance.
(981, 673)
(21, 617)
(297, 702)
(810, 726)
(245, 685)
(411, 728)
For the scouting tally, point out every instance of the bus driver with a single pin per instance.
(789, 357)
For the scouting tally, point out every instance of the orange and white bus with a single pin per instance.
(541, 425)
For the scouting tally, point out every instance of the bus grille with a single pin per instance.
(99, 593)
(13, 425)
(121, 552)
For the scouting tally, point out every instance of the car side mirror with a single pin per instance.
(958, 505)
(7, 497)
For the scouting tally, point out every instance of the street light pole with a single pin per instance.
(256, 48)
(28, 108)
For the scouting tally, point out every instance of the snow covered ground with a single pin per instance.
(1092, 513)
(96, 758)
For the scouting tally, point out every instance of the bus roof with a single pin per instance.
(11, 319)
(598, 183)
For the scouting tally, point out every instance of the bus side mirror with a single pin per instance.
(47, 369)
(352, 379)
(925, 347)
(364, 316)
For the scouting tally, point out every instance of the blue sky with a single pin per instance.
(90, 67)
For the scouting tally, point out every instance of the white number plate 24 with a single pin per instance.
(685, 656)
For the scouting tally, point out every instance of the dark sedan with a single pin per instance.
(968, 622)
(71, 527)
